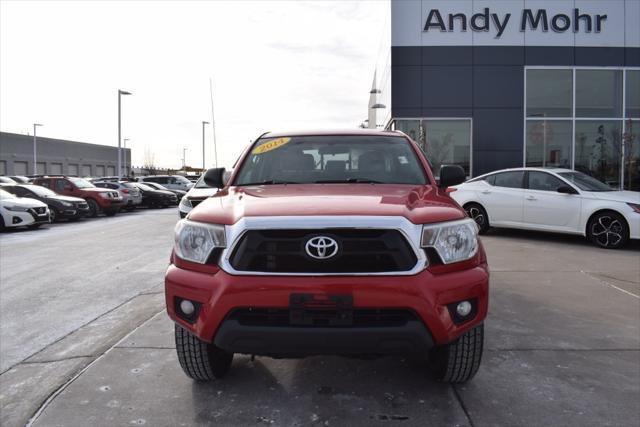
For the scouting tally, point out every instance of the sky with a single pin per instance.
(274, 65)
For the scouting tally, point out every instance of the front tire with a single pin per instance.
(608, 230)
(479, 215)
(53, 215)
(199, 359)
(458, 362)
(93, 208)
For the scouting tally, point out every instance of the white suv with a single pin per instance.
(21, 212)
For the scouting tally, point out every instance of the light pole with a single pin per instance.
(124, 140)
(203, 125)
(120, 93)
(184, 157)
(35, 158)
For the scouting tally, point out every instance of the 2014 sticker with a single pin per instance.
(270, 145)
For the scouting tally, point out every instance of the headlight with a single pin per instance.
(196, 240)
(104, 195)
(185, 202)
(17, 208)
(635, 207)
(66, 204)
(454, 241)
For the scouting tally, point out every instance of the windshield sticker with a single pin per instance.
(271, 145)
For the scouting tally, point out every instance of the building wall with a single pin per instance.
(56, 156)
(478, 75)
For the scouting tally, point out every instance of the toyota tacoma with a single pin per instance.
(329, 243)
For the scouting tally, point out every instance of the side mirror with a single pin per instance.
(565, 189)
(451, 175)
(214, 177)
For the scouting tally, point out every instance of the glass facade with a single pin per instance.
(585, 119)
(444, 141)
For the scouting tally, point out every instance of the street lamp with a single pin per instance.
(124, 140)
(35, 164)
(203, 125)
(184, 157)
(120, 93)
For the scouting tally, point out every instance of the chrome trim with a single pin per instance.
(412, 232)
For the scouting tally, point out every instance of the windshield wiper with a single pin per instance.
(349, 181)
(267, 182)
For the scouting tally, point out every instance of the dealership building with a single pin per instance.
(57, 157)
(510, 83)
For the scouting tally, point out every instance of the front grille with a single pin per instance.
(360, 251)
(82, 205)
(39, 211)
(274, 317)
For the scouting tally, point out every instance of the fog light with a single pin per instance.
(463, 308)
(187, 307)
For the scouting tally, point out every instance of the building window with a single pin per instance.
(444, 141)
(72, 169)
(585, 119)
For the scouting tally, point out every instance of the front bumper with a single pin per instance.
(427, 294)
(24, 218)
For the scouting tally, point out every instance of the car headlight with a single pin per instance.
(66, 204)
(454, 241)
(194, 241)
(16, 208)
(185, 202)
(635, 207)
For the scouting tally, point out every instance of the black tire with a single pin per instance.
(479, 215)
(94, 209)
(2, 227)
(458, 362)
(111, 212)
(608, 230)
(53, 215)
(199, 359)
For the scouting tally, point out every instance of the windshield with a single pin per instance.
(81, 183)
(6, 195)
(332, 159)
(585, 182)
(40, 191)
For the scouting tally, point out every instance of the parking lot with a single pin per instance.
(562, 348)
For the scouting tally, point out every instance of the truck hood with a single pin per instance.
(201, 193)
(418, 204)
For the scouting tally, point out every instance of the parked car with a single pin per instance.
(199, 192)
(153, 198)
(20, 179)
(557, 200)
(60, 207)
(98, 199)
(179, 193)
(172, 182)
(329, 243)
(131, 195)
(18, 212)
(6, 180)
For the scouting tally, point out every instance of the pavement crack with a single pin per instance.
(462, 405)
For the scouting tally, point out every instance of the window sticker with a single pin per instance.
(270, 145)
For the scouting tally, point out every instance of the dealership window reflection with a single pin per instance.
(549, 143)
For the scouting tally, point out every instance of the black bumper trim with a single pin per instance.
(409, 339)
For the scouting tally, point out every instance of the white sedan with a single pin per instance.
(21, 212)
(557, 200)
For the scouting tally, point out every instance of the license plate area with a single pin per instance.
(320, 310)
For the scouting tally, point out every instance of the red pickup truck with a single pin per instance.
(99, 199)
(329, 243)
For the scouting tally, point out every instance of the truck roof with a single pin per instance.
(324, 132)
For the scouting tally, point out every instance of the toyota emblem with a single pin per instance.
(321, 247)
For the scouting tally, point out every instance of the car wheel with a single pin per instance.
(93, 208)
(479, 215)
(458, 361)
(53, 215)
(608, 230)
(2, 227)
(199, 359)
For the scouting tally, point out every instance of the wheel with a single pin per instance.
(199, 359)
(608, 230)
(458, 362)
(94, 209)
(2, 227)
(479, 215)
(53, 215)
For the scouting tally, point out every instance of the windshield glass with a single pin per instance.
(332, 159)
(81, 183)
(145, 187)
(6, 195)
(40, 191)
(181, 179)
(585, 182)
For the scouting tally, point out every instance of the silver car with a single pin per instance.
(131, 195)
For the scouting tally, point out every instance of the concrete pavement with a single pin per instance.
(562, 348)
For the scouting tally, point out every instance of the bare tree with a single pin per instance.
(149, 161)
(628, 139)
